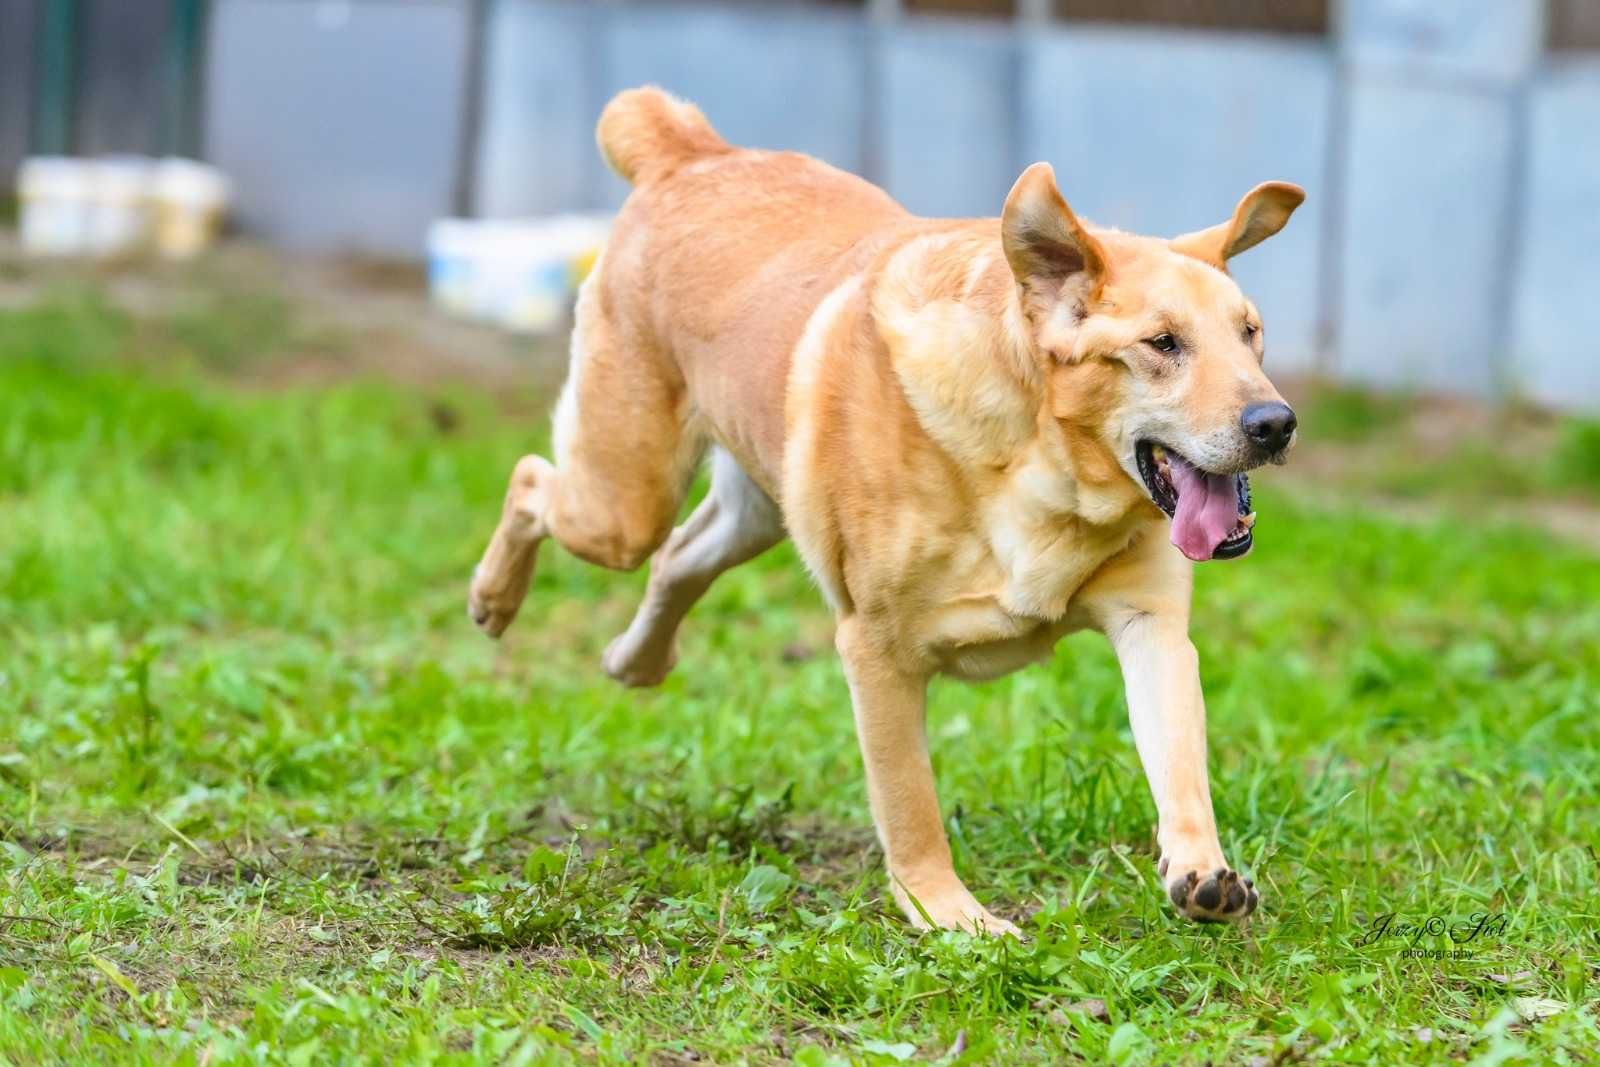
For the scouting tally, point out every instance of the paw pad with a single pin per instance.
(1215, 897)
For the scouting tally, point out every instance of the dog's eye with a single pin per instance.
(1250, 330)
(1163, 343)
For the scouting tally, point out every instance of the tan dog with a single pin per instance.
(974, 430)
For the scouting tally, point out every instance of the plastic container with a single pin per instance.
(452, 255)
(518, 273)
(55, 206)
(119, 205)
(190, 200)
(122, 219)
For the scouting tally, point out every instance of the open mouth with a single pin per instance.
(1211, 516)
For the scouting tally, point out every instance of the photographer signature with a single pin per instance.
(1482, 925)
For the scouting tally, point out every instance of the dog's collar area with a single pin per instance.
(1199, 526)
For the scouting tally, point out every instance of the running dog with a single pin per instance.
(981, 434)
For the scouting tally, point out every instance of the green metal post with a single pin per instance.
(185, 54)
(58, 54)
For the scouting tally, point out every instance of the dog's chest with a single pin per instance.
(1007, 600)
(976, 639)
(1045, 537)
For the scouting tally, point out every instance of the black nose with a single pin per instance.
(1269, 425)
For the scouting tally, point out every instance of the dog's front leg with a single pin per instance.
(1161, 673)
(890, 705)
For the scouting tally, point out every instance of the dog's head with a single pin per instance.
(1153, 354)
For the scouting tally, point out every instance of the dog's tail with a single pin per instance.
(647, 133)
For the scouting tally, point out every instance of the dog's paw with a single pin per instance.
(953, 909)
(637, 665)
(969, 917)
(1214, 896)
(491, 605)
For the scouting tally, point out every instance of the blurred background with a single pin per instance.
(1450, 242)
(284, 293)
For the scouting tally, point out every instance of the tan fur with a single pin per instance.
(645, 134)
(941, 413)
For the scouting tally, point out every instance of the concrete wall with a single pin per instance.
(18, 22)
(1160, 133)
(789, 78)
(1449, 241)
(1430, 180)
(541, 97)
(949, 131)
(1556, 309)
(786, 78)
(339, 123)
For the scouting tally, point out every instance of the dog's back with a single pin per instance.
(720, 255)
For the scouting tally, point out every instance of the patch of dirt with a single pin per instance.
(352, 317)
(1574, 521)
(1434, 429)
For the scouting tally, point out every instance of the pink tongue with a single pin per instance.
(1208, 509)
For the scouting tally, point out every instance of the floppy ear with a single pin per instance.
(1261, 213)
(1042, 238)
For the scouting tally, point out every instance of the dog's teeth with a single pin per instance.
(1247, 521)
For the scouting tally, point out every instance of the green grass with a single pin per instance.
(1346, 413)
(1520, 453)
(266, 797)
(1577, 459)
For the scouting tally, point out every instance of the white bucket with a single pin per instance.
(452, 257)
(123, 214)
(119, 205)
(56, 206)
(190, 200)
(520, 274)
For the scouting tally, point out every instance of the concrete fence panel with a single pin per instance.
(540, 83)
(948, 116)
(1557, 300)
(1430, 180)
(1422, 243)
(1493, 42)
(787, 78)
(1162, 133)
(339, 123)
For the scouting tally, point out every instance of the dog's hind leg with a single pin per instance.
(625, 448)
(736, 522)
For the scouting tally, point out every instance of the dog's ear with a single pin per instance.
(1042, 238)
(1261, 213)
